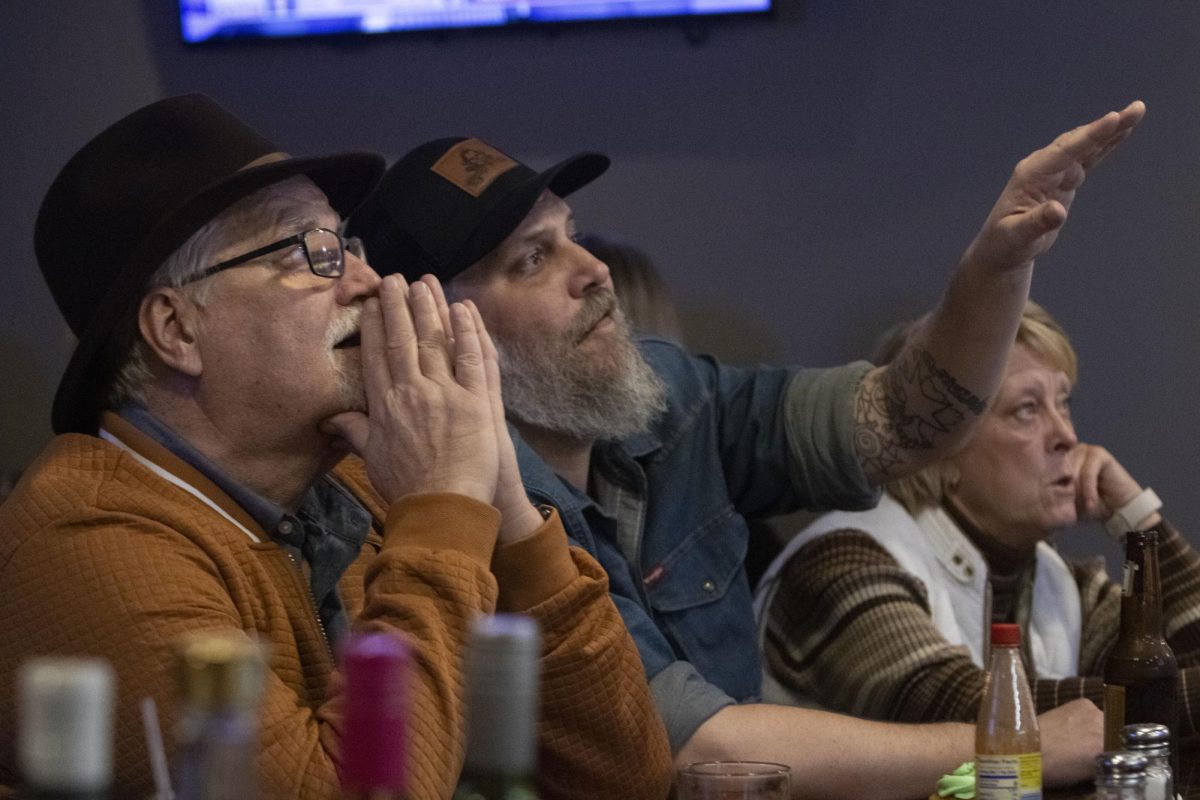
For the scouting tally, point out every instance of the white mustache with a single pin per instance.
(346, 324)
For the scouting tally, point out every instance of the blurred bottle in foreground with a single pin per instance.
(1120, 776)
(220, 680)
(377, 668)
(1154, 742)
(1141, 673)
(1008, 745)
(65, 728)
(502, 674)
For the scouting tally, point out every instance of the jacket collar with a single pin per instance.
(177, 472)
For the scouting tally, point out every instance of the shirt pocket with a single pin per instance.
(701, 599)
(701, 569)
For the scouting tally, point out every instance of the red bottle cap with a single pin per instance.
(376, 667)
(1005, 634)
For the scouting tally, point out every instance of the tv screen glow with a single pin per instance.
(205, 20)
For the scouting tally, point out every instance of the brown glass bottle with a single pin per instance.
(1141, 674)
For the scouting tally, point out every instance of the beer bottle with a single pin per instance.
(1141, 674)
(1008, 744)
(502, 677)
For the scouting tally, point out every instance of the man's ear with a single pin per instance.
(168, 323)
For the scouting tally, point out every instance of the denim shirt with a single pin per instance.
(733, 444)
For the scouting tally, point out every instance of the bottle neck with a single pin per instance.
(377, 667)
(1005, 652)
(1141, 594)
(501, 734)
(503, 675)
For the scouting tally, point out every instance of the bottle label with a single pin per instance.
(1148, 700)
(1015, 777)
(1127, 577)
(1114, 716)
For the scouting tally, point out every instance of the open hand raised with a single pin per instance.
(1033, 206)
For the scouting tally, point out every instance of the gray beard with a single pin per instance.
(550, 384)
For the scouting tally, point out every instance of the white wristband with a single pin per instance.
(1126, 518)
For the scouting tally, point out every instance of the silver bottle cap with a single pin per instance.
(1147, 738)
(1121, 768)
(66, 723)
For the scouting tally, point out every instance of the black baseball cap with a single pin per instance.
(450, 202)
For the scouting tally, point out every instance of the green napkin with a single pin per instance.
(959, 784)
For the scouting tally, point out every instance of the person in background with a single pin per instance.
(656, 459)
(881, 613)
(641, 292)
(232, 347)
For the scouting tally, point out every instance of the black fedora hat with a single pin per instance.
(449, 202)
(132, 196)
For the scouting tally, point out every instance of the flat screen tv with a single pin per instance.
(207, 20)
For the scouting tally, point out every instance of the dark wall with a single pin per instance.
(804, 181)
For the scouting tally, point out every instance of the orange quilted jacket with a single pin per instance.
(115, 548)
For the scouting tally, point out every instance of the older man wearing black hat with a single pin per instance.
(232, 345)
(655, 459)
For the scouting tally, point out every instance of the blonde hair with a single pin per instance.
(1039, 333)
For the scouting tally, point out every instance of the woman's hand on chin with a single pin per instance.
(1102, 485)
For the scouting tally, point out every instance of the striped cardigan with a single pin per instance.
(848, 625)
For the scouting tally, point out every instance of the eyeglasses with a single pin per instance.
(324, 249)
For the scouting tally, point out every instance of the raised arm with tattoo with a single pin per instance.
(921, 406)
(656, 459)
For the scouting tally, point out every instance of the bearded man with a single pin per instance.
(656, 458)
(232, 347)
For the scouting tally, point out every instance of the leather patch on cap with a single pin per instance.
(472, 166)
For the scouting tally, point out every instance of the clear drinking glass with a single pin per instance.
(734, 780)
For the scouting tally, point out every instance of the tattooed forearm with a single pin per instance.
(911, 405)
(960, 393)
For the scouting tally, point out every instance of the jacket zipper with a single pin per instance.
(312, 599)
